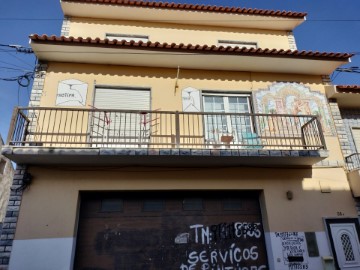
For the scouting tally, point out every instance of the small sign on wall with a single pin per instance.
(191, 100)
(293, 249)
(71, 93)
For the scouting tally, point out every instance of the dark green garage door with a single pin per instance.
(162, 230)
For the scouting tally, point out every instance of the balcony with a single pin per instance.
(113, 137)
(353, 172)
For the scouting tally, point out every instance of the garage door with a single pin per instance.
(152, 231)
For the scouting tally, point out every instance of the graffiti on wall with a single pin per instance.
(293, 249)
(224, 246)
(295, 99)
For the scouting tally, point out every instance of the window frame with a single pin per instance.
(237, 43)
(225, 95)
(127, 37)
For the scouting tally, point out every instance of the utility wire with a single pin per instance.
(18, 48)
(22, 80)
(349, 69)
(11, 64)
(14, 69)
(19, 59)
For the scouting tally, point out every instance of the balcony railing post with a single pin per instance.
(321, 133)
(12, 125)
(177, 129)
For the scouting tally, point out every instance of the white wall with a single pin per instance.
(43, 254)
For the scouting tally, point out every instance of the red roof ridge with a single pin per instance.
(354, 86)
(189, 47)
(348, 89)
(195, 7)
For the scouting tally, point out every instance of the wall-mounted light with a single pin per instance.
(289, 195)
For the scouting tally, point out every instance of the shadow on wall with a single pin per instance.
(73, 69)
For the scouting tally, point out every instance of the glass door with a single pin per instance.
(224, 128)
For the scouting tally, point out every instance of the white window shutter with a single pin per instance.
(122, 99)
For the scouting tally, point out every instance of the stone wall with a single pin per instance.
(6, 176)
(11, 217)
(351, 118)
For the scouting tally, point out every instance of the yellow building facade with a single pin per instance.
(178, 136)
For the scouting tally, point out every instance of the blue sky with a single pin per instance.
(331, 26)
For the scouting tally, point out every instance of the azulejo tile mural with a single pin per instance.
(295, 99)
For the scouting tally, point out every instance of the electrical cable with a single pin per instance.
(18, 95)
(23, 80)
(20, 60)
(11, 64)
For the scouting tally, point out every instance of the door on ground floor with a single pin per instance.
(163, 230)
(344, 239)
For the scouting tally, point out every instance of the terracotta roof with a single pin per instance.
(186, 48)
(348, 89)
(195, 7)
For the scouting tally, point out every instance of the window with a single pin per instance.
(193, 204)
(153, 205)
(347, 247)
(232, 204)
(240, 44)
(217, 126)
(111, 205)
(126, 37)
(131, 128)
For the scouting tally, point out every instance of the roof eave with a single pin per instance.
(180, 16)
(187, 59)
(348, 98)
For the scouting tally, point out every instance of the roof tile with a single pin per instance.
(68, 41)
(348, 89)
(194, 7)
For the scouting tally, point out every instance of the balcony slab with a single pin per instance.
(33, 155)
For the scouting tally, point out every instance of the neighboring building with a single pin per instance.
(142, 151)
(6, 177)
(347, 98)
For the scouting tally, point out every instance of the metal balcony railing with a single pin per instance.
(62, 127)
(353, 162)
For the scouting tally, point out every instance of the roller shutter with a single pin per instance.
(160, 230)
(120, 127)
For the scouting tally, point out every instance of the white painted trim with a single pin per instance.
(43, 254)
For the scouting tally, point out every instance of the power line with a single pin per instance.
(22, 80)
(18, 48)
(19, 59)
(11, 64)
(14, 69)
(349, 69)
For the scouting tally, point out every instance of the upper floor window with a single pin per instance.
(126, 37)
(240, 44)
